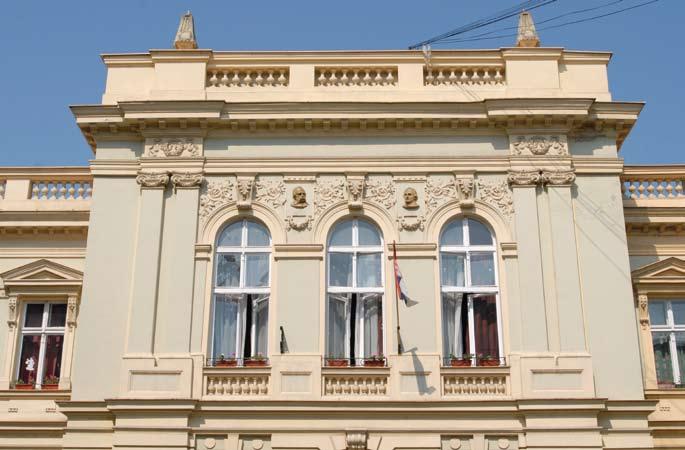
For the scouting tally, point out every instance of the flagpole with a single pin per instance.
(397, 298)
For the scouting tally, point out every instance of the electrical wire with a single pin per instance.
(502, 15)
(587, 19)
(540, 22)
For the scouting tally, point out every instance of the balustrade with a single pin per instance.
(355, 76)
(652, 187)
(237, 384)
(474, 385)
(355, 384)
(471, 76)
(2, 189)
(54, 189)
(248, 77)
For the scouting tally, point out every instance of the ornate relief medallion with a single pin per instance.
(172, 147)
(497, 194)
(540, 145)
(411, 223)
(326, 193)
(270, 192)
(381, 192)
(298, 223)
(215, 195)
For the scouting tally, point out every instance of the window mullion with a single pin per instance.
(354, 269)
(41, 360)
(472, 331)
(674, 357)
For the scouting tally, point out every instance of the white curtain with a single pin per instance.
(371, 306)
(260, 314)
(226, 309)
(452, 336)
(338, 305)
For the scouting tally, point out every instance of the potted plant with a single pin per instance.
(337, 361)
(50, 383)
(375, 361)
(22, 385)
(256, 361)
(226, 362)
(461, 361)
(488, 361)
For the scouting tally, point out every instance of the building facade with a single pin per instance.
(223, 273)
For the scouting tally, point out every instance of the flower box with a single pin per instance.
(488, 362)
(227, 363)
(337, 362)
(460, 362)
(24, 387)
(49, 386)
(255, 362)
(374, 362)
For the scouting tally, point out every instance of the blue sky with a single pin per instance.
(51, 51)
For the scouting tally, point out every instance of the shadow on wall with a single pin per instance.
(420, 374)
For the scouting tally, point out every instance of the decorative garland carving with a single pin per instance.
(215, 195)
(559, 177)
(438, 192)
(643, 312)
(497, 194)
(292, 223)
(540, 145)
(272, 192)
(72, 312)
(381, 192)
(172, 147)
(152, 179)
(411, 223)
(13, 314)
(186, 180)
(524, 177)
(327, 193)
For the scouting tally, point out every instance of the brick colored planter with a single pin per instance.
(49, 387)
(488, 362)
(255, 362)
(23, 387)
(227, 363)
(337, 363)
(374, 363)
(465, 362)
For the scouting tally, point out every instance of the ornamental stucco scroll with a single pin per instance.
(298, 223)
(438, 192)
(270, 192)
(216, 194)
(172, 148)
(381, 192)
(538, 145)
(497, 194)
(327, 193)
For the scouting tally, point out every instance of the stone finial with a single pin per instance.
(527, 36)
(185, 36)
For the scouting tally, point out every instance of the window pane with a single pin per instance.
(452, 269)
(225, 325)
(257, 235)
(58, 315)
(340, 269)
(485, 325)
(479, 234)
(34, 315)
(373, 325)
(482, 269)
(336, 328)
(657, 313)
(368, 233)
(453, 234)
(369, 270)
(342, 234)
(662, 358)
(680, 354)
(28, 363)
(232, 235)
(678, 307)
(261, 312)
(53, 356)
(452, 330)
(228, 270)
(256, 269)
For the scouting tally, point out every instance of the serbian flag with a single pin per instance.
(400, 287)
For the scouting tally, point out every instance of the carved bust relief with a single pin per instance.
(411, 198)
(299, 198)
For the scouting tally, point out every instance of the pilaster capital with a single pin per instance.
(152, 179)
(559, 177)
(187, 180)
(524, 178)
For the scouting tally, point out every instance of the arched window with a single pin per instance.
(241, 292)
(470, 294)
(354, 312)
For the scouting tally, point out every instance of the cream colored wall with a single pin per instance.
(299, 305)
(103, 319)
(606, 288)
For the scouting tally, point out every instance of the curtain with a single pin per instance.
(373, 324)
(662, 357)
(28, 363)
(260, 312)
(485, 324)
(336, 334)
(452, 330)
(53, 356)
(226, 309)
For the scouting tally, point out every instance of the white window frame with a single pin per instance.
(243, 249)
(44, 331)
(355, 249)
(467, 250)
(671, 328)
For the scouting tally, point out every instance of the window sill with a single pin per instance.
(44, 394)
(665, 392)
(355, 369)
(475, 369)
(241, 369)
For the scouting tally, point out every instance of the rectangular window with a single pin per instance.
(240, 326)
(42, 341)
(355, 327)
(470, 327)
(667, 319)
